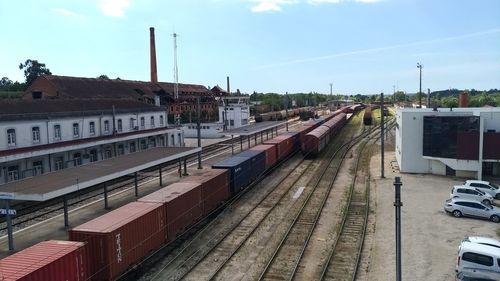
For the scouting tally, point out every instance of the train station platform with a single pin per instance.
(60, 184)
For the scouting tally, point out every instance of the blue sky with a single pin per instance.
(361, 46)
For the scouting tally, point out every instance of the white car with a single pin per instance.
(477, 256)
(471, 208)
(485, 186)
(471, 193)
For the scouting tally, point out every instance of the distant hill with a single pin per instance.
(456, 92)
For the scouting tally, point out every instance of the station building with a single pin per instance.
(41, 136)
(463, 142)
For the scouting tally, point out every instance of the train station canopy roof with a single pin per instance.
(55, 184)
(254, 128)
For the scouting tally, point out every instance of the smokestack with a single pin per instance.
(154, 72)
(228, 88)
(463, 100)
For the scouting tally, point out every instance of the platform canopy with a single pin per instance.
(255, 128)
(55, 184)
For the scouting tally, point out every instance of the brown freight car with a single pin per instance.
(47, 260)
(121, 238)
(214, 188)
(183, 205)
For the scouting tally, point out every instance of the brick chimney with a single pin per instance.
(154, 72)
(463, 100)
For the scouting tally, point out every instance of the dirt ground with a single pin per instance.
(430, 237)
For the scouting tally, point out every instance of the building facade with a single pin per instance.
(38, 137)
(235, 112)
(463, 142)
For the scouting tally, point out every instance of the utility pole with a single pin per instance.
(428, 98)
(382, 135)
(176, 78)
(398, 204)
(198, 129)
(331, 87)
(419, 66)
(286, 110)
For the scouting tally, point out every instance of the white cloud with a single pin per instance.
(66, 13)
(270, 5)
(113, 8)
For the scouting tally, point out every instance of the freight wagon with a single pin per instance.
(47, 260)
(279, 115)
(316, 140)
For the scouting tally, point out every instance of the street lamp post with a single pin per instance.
(419, 66)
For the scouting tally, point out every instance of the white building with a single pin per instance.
(464, 142)
(41, 136)
(235, 113)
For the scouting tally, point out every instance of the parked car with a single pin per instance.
(478, 257)
(483, 240)
(472, 193)
(462, 207)
(473, 274)
(485, 186)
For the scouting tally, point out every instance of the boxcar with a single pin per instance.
(214, 188)
(47, 260)
(116, 241)
(240, 172)
(284, 145)
(270, 152)
(183, 205)
(367, 117)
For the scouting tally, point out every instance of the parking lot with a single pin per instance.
(430, 236)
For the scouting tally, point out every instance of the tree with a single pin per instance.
(400, 96)
(103, 76)
(5, 83)
(33, 69)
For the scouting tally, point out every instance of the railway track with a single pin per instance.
(223, 246)
(284, 261)
(343, 259)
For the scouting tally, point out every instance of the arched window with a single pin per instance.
(35, 134)
(161, 120)
(152, 121)
(106, 126)
(76, 130)
(57, 132)
(11, 137)
(120, 125)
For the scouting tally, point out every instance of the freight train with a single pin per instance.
(280, 115)
(108, 246)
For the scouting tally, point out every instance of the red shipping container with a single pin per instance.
(182, 202)
(271, 153)
(121, 238)
(214, 188)
(49, 260)
(284, 145)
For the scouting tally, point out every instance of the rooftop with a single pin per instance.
(62, 182)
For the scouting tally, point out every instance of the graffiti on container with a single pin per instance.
(118, 248)
(237, 169)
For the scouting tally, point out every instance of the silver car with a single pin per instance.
(470, 208)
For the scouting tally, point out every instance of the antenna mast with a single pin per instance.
(176, 70)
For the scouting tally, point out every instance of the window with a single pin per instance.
(57, 132)
(11, 137)
(152, 141)
(77, 159)
(93, 155)
(152, 122)
(231, 122)
(143, 123)
(161, 120)
(173, 139)
(106, 126)
(58, 163)
(478, 258)
(35, 134)
(76, 130)
(180, 139)
(37, 168)
(119, 125)
(144, 145)
(12, 173)
(36, 95)
(92, 128)
(107, 153)
(121, 149)
(132, 147)
(131, 123)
